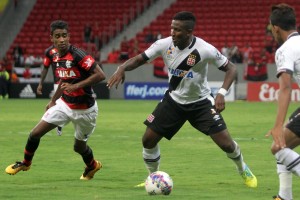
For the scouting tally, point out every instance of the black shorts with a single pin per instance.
(169, 116)
(294, 122)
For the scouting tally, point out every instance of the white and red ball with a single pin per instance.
(159, 183)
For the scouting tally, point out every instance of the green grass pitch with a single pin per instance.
(199, 169)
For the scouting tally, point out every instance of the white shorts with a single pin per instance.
(84, 121)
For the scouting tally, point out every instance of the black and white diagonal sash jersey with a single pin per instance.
(183, 68)
(187, 68)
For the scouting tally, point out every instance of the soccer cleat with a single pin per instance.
(140, 185)
(249, 178)
(59, 130)
(15, 168)
(89, 173)
(277, 197)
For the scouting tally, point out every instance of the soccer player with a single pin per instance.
(189, 97)
(51, 54)
(73, 102)
(287, 58)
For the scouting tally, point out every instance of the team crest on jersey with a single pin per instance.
(53, 51)
(191, 60)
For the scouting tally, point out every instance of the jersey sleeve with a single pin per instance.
(217, 59)
(155, 50)
(283, 62)
(84, 60)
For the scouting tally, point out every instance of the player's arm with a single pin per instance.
(56, 95)
(43, 76)
(284, 98)
(230, 75)
(131, 64)
(96, 76)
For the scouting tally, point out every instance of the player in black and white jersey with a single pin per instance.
(72, 102)
(189, 98)
(287, 58)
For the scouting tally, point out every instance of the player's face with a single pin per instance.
(180, 35)
(60, 39)
(276, 35)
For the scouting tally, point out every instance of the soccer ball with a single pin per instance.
(159, 183)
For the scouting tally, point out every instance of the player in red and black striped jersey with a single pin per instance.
(73, 100)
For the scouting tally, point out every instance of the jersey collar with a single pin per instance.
(292, 34)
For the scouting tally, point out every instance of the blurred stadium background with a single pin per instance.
(241, 26)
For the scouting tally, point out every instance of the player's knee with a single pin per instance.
(228, 147)
(148, 144)
(274, 149)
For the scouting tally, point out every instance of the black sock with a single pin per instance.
(88, 158)
(30, 148)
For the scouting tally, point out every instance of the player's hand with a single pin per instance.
(68, 87)
(278, 137)
(220, 103)
(116, 78)
(39, 89)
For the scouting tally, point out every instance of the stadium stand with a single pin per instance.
(221, 22)
(112, 15)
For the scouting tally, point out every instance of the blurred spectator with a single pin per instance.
(113, 56)
(96, 36)
(4, 81)
(7, 64)
(235, 54)
(247, 52)
(225, 50)
(29, 60)
(38, 61)
(149, 37)
(124, 54)
(27, 73)
(14, 77)
(158, 36)
(18, 56)
(298, 29)
(256, 69)
(87, 33)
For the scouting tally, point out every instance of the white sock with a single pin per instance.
(285, 182)
(152, 158)
(290, 159)
(237, 158)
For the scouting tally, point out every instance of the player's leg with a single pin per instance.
(84, 125)
(92, 165)
(151, 151)
(59, 128)
(164, 121)
(292, 160)
(232, 149)
(32, 144)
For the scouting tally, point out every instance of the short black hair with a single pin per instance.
(284, 16)
(186, 16)
(58, 24)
